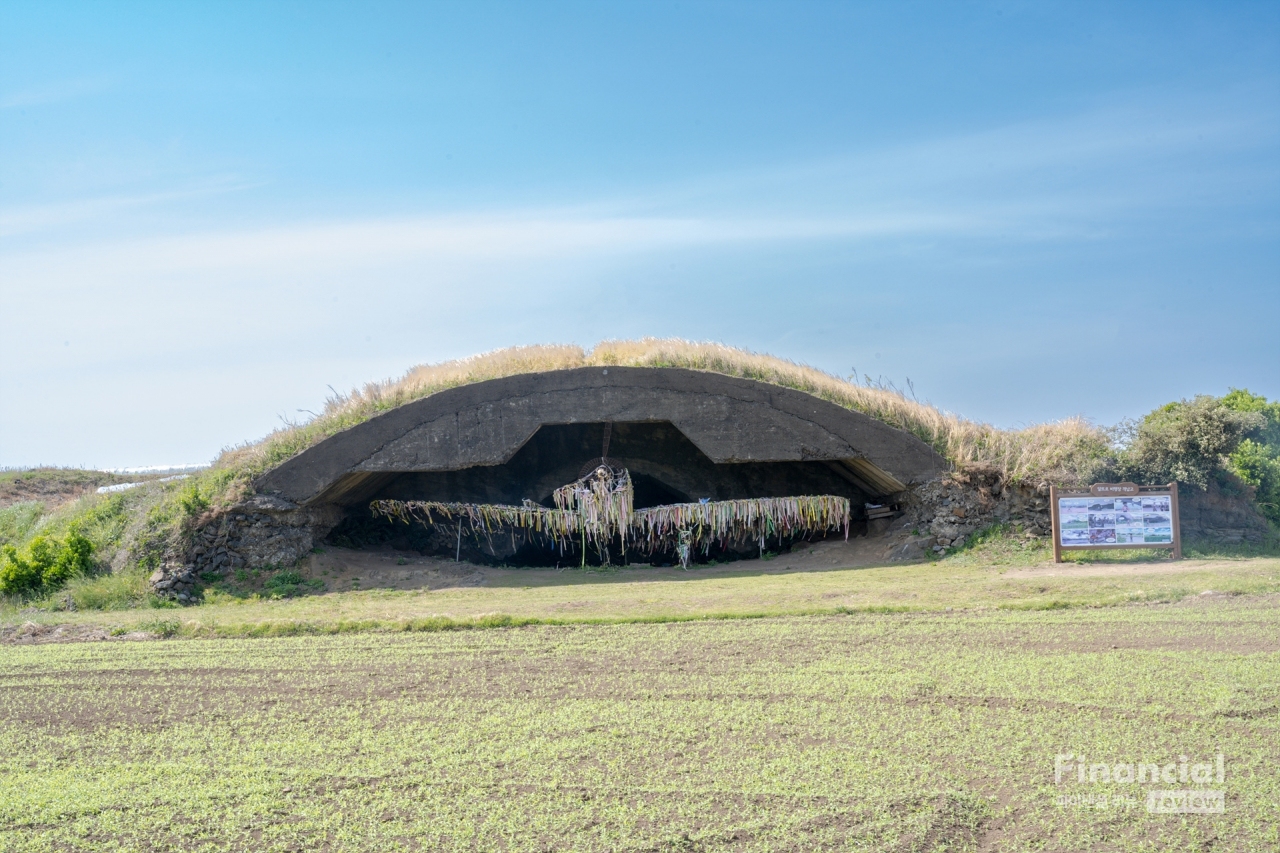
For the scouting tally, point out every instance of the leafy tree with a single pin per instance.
(1257, 459)
(1186, 441)
(1268, 433)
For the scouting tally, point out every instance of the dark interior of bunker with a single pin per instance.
(665, 468)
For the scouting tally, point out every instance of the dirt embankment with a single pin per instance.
(54, 487)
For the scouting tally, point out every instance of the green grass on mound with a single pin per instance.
(19, 521)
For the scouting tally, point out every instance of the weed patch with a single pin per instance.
(160, 627)
(18, 521)
(110, 592)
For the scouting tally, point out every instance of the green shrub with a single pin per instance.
(161, 627)
(284, 584)
(18, 574)
(1259, 466)
(289, 576)
(1186, 441)
(73, 558)
(192, 500)
(47, 564)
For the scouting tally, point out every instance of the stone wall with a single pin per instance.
(945, 511)
(949, 509)
(1218, 515)
(262, 531)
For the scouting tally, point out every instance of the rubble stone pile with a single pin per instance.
(260, 532)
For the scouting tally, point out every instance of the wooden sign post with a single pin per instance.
(1115, 515)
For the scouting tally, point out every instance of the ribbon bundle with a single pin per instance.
(602, 501)
(599, 507)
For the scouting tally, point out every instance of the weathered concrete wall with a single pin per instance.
(484, 424)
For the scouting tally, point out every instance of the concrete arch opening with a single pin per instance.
(684, 435)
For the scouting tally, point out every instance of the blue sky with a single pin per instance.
(209, 213)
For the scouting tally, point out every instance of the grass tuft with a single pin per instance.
(108, 592)
(20, 521)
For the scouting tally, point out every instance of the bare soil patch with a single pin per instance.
(33, 633)
(343, 568)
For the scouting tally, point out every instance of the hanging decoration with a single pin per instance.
(599, 507)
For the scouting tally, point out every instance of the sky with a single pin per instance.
(214, 215)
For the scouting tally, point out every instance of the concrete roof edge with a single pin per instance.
(902, 456)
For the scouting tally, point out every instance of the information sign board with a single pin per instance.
(1115, 515)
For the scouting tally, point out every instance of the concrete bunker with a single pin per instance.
(683, 435)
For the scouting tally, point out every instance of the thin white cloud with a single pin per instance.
(1040, 179)
(43, 217)
(354, 245)
(1077, 179)
(1127, 153)
(51, 93)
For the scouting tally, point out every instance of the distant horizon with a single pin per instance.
(211, 216)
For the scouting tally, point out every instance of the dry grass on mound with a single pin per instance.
(1064, 451)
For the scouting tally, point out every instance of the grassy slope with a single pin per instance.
(54, 486)
(30, 498)
(18, 520)
(991, 576)
(47, 501)
(862, 732)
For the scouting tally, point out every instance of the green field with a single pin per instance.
(392, 702)
(439, 594)
(852, 732)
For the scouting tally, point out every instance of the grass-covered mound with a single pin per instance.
(53, 487)
(131, 532)
(1058, 450)
(94, 553)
